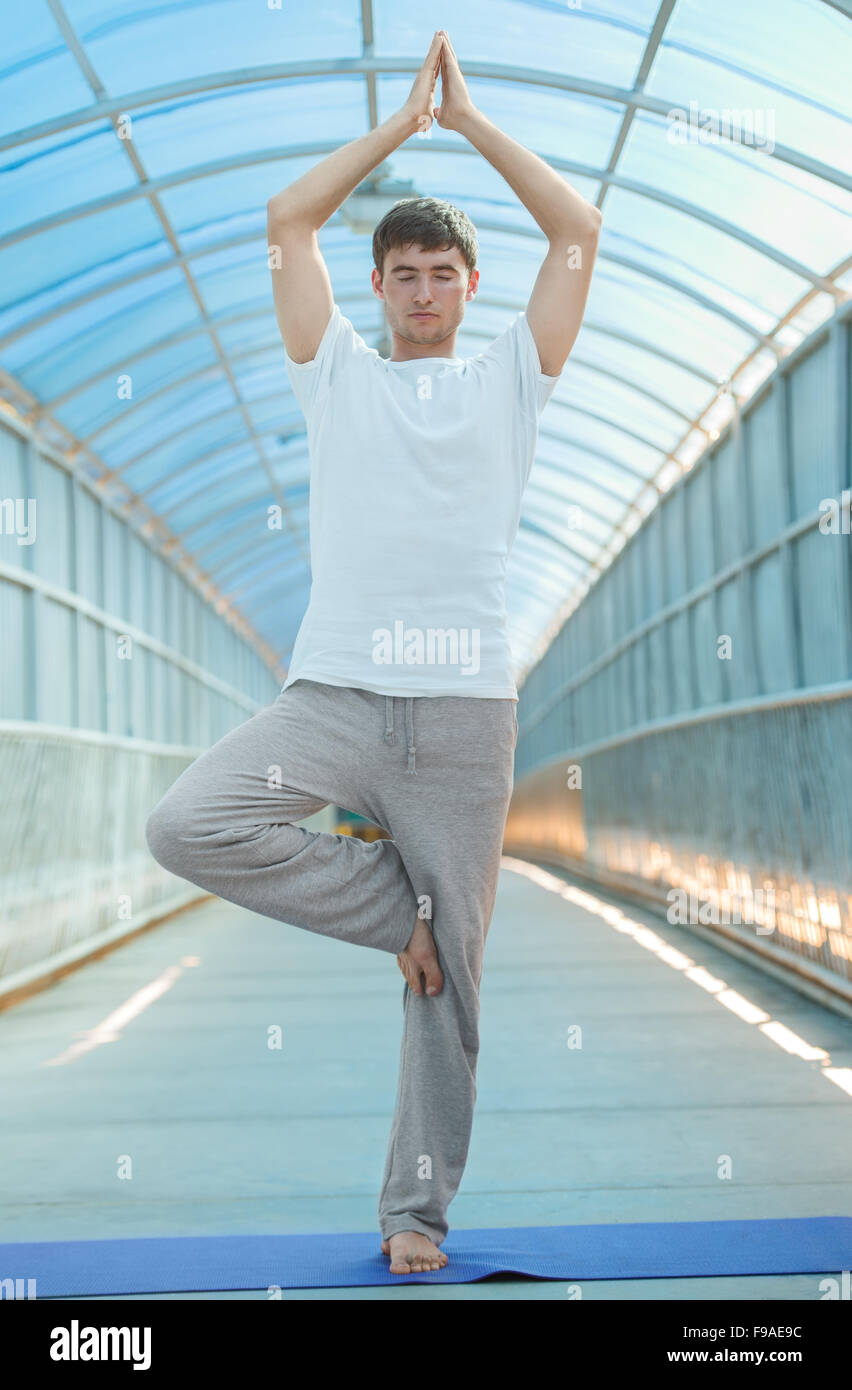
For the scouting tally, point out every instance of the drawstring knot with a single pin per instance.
(390, 736)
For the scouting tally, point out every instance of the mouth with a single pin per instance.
(424, 316)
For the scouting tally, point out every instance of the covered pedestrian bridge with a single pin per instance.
(667, 993)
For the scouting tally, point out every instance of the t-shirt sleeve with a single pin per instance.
(516, 352)
(338, 347)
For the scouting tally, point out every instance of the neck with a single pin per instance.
(406, 351)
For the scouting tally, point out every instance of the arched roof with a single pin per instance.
(140, 142)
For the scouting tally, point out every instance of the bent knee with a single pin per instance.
(168, 833)
(182, 837)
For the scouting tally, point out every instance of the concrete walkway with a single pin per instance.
(227, 1135)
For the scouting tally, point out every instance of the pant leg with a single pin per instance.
(226, 824)
(448, 821)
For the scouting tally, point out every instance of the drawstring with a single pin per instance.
(390, 736)
(409, 710)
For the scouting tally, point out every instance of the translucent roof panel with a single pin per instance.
(139, 146)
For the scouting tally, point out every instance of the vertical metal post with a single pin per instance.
(790, 588)
(72, 582)
(642, 647)
(123, 673)
(32, 599)
(664, 508)
(103, 603)
(838, 338)
(712, 467)
(689, 613)
(746, 543)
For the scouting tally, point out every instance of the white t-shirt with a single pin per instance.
(416, 475)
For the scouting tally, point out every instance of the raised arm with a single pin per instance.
(571, 224)
(301, 286)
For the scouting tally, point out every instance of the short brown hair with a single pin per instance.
(431, 223)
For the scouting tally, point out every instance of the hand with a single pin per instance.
(456, 104)
(422, 95)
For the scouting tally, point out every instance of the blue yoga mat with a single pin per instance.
(655, 1250)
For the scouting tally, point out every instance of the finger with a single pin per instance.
(449, 52)
(432, 60)
(435, 47)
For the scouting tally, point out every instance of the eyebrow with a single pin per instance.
(444, 265)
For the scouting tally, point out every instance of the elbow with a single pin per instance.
(283, 218)
(276, 210)
(595, 219)
(280, 211)
(584, 230)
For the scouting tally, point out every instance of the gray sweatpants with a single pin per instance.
(227, 824)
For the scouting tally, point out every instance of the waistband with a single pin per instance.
(390, 735)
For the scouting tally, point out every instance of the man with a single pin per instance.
(418, 464)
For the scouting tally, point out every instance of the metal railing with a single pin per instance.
(687, 737)
(76, 868)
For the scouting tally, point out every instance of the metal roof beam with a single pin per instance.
(147, 190)
(276, 396)
(273, 345)
(111, 107)
(247, 159)
(703, 301)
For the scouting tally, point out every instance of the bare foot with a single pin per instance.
(413, 1253)
(420, 959)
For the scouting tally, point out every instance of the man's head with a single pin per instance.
(425, 255)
